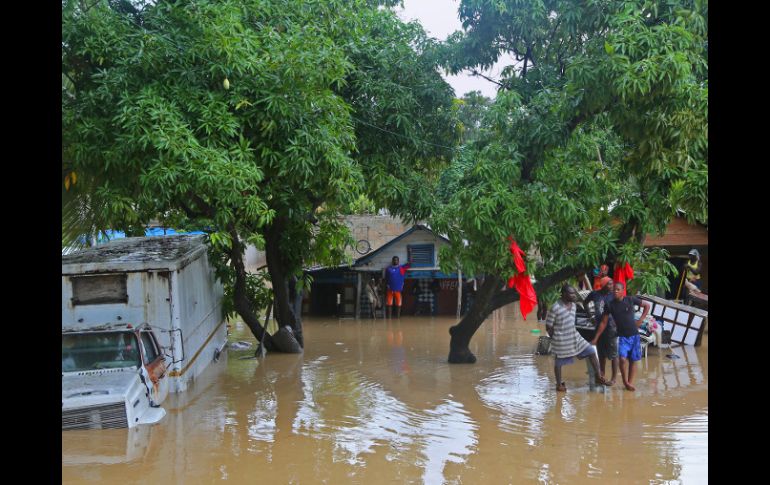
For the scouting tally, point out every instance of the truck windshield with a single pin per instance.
(98, 350)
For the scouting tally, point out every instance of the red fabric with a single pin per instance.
(527, 295)
(623, 274)
(628, 272)
(517, 253)
(521, 281)
(405, 267)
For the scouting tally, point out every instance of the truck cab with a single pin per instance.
(113, 376)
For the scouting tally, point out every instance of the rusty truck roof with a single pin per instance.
(135, 254)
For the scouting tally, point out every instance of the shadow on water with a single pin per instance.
(376, 402)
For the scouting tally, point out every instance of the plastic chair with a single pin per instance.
(646, 340)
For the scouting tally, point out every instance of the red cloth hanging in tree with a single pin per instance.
(517, 253)
(521, 282)
(527, 295)
(623, 274)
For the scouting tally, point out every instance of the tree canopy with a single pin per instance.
(256, 120)
(261, 121)
(598, 136)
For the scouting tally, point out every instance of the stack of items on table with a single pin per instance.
(651, 332)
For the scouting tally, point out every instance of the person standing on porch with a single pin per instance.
(394, 276)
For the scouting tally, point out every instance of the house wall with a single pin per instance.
(383, 259)
(254, 259)
(680, 233)
(447, 297)
(378, 230)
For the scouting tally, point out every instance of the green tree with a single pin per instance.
(472, 107)
(256, 120)
(597, 136)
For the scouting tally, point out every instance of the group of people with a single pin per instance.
(617, 329)
(616, 338)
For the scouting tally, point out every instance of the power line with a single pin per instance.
(399, 135)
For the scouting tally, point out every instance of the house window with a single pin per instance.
(422, 255)
(99, 289)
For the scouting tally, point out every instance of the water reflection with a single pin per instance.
(376, 402)
(359, 415)
(449, 435)
(520, 393)
(113, 445)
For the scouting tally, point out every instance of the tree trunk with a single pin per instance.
(459, 353)
(290, 337)
(240, 296)
(490, 299)
(296, 304)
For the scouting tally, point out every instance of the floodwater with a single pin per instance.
(376, 402)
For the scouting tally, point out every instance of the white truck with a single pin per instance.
(141, 317)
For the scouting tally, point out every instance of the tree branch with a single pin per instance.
(550, 38)
(477, 73)
(74, 86)
(511, 295)
(527, 57)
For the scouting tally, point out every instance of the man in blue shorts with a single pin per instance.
(629, 346)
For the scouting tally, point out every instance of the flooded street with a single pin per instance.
(376, 402)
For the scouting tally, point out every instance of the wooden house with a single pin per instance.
(680, 237)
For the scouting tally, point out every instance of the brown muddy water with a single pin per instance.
(376, 402)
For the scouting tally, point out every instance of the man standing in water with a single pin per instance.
(567, 342)
(621, 308)
(394, 276)
(607, 334)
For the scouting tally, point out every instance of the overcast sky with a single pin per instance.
(439, 19)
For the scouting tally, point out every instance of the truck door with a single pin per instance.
(155, 368)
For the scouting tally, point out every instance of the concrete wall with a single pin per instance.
(378, 230)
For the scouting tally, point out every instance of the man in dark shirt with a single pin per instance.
(607, 338)
(629, 347)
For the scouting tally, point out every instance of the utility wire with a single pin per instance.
(400, 135)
